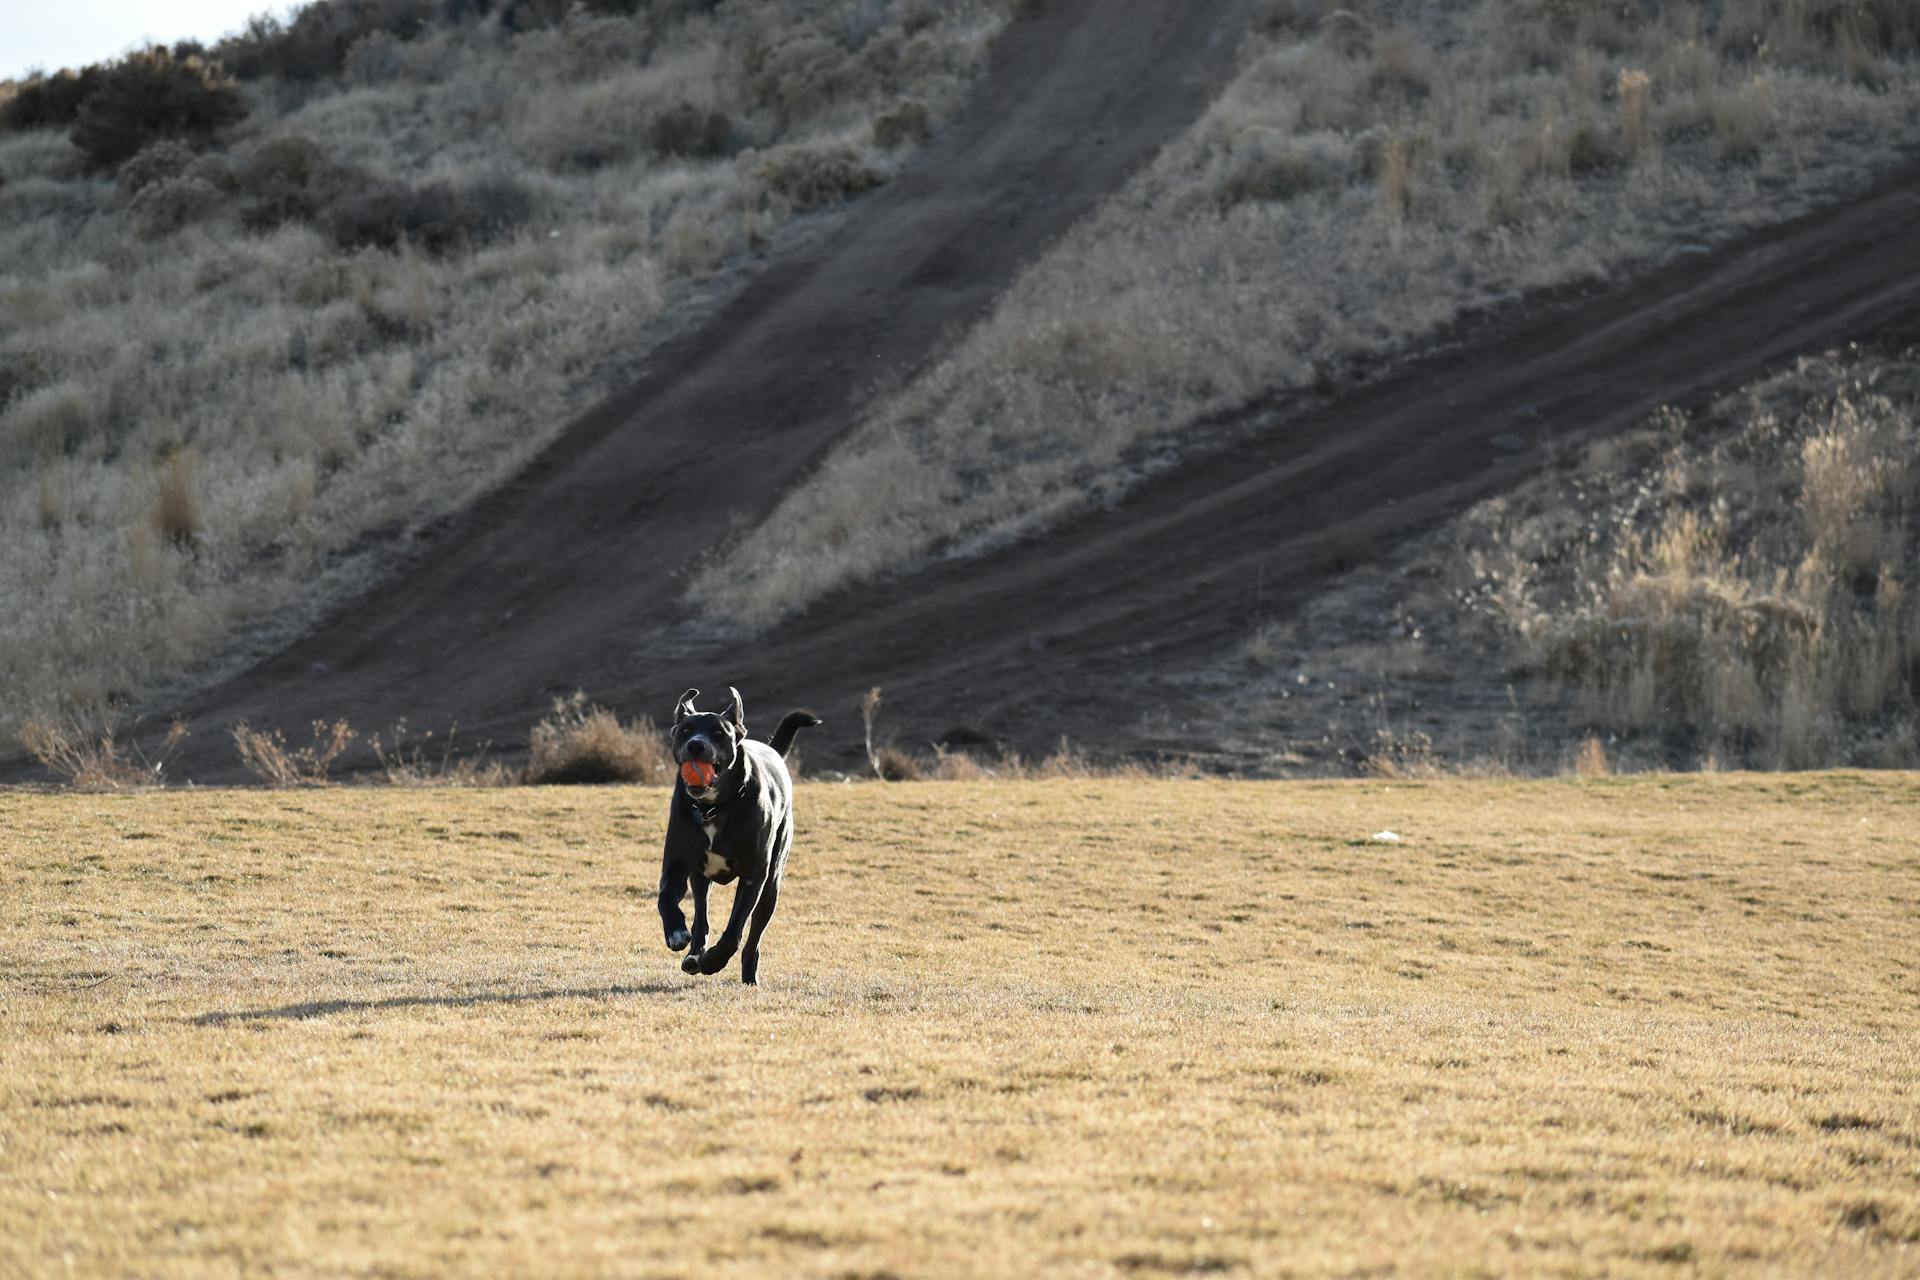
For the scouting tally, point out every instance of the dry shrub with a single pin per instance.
(439, 216)
(267, 757)
(691, 247)
(579, 743)
(164, 207)
(290, 178)
(890, 764)
(1263, 648)
(49, 102)
(407, 761)
(157, 162)
(1347, 33)
(810, 177)
(84, 752)
(801, 76)
(152, 94)
(905, 123)
(1263, 165)
(1847, 468)
(1400, 754)
(688, 132)
(1591, 759)
(1592, 150)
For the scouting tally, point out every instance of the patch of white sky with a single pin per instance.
(47, 35)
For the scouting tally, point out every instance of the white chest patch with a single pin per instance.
(716, 865)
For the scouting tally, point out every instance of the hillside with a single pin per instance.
(1373, 174)
(245, 366)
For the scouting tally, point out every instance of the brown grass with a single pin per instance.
(579, 743)
(1637, 1027)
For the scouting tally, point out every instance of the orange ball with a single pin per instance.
(697, 773)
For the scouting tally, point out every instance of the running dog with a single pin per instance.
(732, 817)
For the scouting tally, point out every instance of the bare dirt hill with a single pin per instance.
(571, 577)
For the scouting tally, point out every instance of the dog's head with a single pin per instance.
(709, 737)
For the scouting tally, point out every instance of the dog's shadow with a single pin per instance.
(322, 1008)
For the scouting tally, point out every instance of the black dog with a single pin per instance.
(739, 824)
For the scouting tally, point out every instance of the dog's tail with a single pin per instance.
(790, 724)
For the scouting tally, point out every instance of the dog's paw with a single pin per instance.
(713, 961)
(678, 939)
(691, 964)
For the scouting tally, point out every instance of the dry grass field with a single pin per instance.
(1660, 1026)
(1376, 171)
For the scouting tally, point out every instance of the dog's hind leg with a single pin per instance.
(673, 887)
(745, 898)
(762, 912)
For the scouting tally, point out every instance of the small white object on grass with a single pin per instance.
(1387, 837)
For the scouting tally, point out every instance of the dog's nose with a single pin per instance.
(699, 750)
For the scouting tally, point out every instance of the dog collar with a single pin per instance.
(705, 816)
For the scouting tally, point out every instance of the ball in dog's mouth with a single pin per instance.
(697, 773)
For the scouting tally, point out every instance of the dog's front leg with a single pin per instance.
(700, 885)
(745, 898)
(673, 887)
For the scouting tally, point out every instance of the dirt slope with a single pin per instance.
(549, 584)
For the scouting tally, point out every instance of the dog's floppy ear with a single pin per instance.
(684, 708)
(736, 712)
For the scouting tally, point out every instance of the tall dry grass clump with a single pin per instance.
(1635, 89)
(580, 743)
(1374, 172)
(266, 756)
(434, 235)
(175, 514)
(435, 760)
